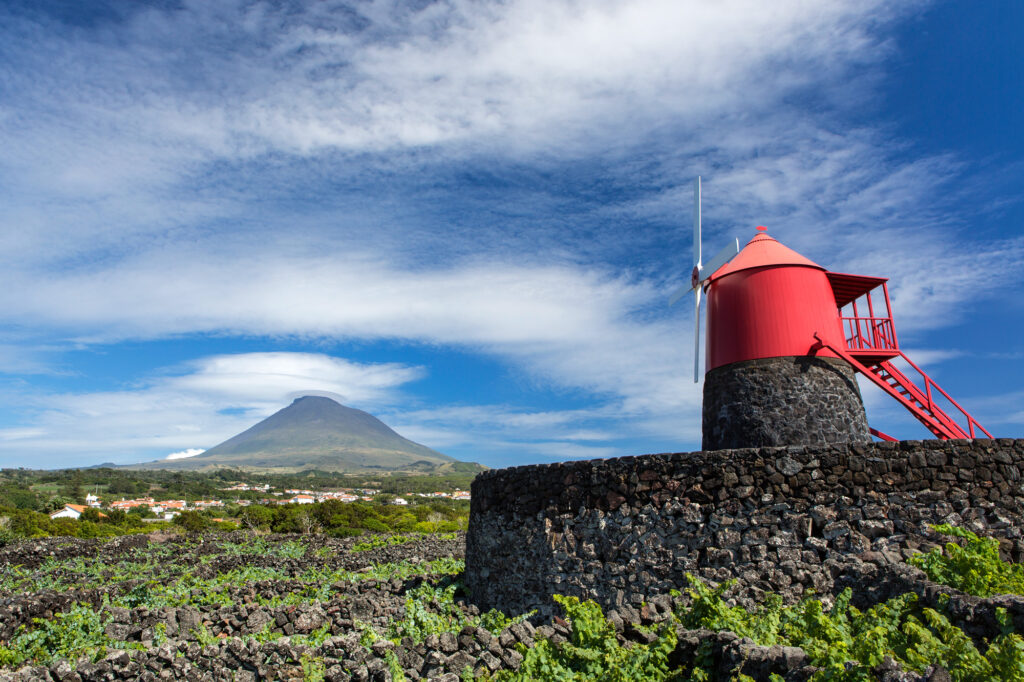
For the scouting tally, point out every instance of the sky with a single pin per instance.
(467, 217)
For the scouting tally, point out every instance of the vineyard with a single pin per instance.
(240, 606)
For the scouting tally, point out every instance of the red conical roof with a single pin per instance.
(763, 251)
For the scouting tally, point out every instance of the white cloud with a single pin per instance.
(532, 69)
(275, 375)
(560, 322)
(185, 454)
(20, 433)
(200, 405)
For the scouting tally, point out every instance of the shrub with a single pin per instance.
(191, 521)
(974, 568)
(594, 653)
(846, 643)
(77, 632)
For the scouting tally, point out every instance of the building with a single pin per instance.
(126, 505)
(72, 511)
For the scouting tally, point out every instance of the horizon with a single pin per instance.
(466, 220)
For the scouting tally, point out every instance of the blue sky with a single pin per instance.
(466, 217)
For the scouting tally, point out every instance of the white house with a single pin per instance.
(400, 501)
(70, 511)
(303, 499)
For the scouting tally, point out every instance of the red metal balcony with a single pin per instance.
(870, 338)
(871, 345)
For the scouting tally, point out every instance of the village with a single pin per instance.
(167, 510)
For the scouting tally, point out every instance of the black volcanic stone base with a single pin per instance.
(782, 401)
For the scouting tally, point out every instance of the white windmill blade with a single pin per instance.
(696, 222)
(679, 293)
(719, 259)
(696, 336)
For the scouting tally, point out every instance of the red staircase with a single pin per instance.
(919, 403)
(871, 346)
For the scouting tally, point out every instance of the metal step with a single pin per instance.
(917, 401)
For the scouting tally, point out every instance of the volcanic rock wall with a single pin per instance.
(782, 519)
(782, 401)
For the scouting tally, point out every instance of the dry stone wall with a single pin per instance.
(783, 519)
(782, 401)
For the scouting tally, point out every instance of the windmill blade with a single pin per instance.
(720, 259)
(679, 293)
(696, 337)
(696, 221)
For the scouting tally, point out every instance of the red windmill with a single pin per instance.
(784, 337)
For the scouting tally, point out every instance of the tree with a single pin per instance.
(20, 496)
(73, 487)
(116, 516)
(55, 503)
(143, 512)
(192, 521)
(257, 517)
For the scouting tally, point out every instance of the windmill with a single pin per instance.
(700, 274)
(785, 338)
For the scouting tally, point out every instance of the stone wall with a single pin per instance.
(782, 401)
(781, 519)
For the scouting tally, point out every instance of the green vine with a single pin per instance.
(974, 567)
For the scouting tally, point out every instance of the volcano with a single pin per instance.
(319, 433)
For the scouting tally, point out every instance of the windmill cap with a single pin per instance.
(761, 252)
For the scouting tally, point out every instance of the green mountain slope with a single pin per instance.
(318, 433)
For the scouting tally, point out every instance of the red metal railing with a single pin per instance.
(929, 386)
(919, 402)
(869, 333)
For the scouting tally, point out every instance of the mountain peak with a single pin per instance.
(316, 398)
(317, 432)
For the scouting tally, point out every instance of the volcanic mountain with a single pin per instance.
(319, 433)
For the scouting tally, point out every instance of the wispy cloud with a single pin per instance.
(194, 406)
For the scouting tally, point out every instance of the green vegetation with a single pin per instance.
(912, 635)
(431, 610)
(45, 491)
(346, 519)
(27, 497)
(173, 583)
(313, 668)
(77, 632)
(17, 524)
(594, 653)
(379, 541)
(845, 643)
(80, 630)
(974, 567)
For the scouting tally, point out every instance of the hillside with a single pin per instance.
(319, 433)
